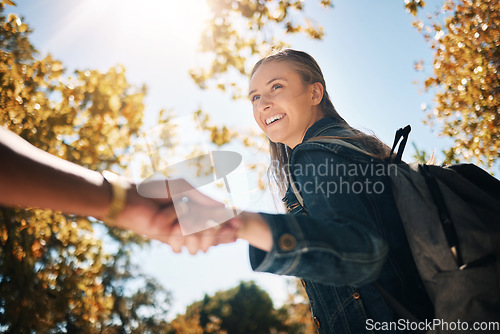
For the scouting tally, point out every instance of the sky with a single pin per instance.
(367, 56)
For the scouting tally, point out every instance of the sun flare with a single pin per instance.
(157, 25)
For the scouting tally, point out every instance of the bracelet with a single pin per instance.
(119, 188)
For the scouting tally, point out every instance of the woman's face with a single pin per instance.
(283, 106)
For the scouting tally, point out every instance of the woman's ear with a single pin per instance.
(317, 93)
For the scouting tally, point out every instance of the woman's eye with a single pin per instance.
(255, 98)
(277, 86)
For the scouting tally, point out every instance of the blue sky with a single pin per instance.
(367, 57)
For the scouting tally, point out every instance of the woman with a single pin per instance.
(348, 233)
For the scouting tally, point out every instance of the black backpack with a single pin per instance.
(451, 216)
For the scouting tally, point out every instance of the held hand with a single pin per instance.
(183, 216)
(203, 240)
(30, 177)
(247, 225)
(155, 217)
(200, 225)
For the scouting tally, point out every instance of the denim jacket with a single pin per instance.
(347, 236)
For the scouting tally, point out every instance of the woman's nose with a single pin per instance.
(264, 103)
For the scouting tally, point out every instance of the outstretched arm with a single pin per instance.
(30, 177)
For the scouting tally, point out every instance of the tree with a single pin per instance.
(54, 271)
(298, 309)
(466, 77)
(56, 275)
(466, 63)
(243, 309)
(241, 31)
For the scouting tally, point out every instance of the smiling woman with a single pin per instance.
(145, 36)
(337, 241)
(284, 106)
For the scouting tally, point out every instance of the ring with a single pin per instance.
(182, 207)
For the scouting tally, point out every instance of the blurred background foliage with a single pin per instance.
(465, 74)
(241, 32)
(243, 309)
(465, 37)
(56, 273)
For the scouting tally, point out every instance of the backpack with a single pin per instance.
(451, 216)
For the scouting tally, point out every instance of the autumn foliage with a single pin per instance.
(55, 272)
(243, 309)
(466, 79)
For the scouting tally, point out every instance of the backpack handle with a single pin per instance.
(404, 133)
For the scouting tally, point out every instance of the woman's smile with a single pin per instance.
(284, 106)
(274, 119)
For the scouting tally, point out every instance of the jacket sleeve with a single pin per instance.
(337, 243)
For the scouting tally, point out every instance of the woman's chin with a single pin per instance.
(276, 139)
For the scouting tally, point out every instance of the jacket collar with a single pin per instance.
(320, 126)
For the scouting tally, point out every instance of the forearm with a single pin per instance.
(254, 229)
(32, 177)
(303, 244)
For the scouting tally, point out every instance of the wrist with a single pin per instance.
(118, 188)
(254, 229)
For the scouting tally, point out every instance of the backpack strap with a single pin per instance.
(326, 140)
(393, 303)
(296, 191)
(341, 142)
(401, 133)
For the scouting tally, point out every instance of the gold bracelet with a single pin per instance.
(119, 189)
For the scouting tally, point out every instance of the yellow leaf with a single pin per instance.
(115, 103)
(9, 2)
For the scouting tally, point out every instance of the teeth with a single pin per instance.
(274, 118)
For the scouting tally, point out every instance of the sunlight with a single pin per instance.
(164, 20)
(157, 25)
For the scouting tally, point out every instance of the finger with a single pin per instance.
(192, 243)
(175, 238)
(207, 238)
